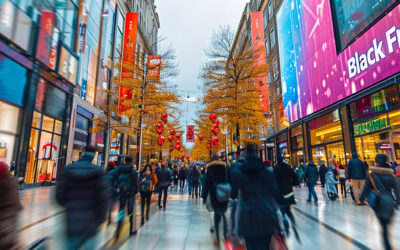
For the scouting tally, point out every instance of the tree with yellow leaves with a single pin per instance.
(229, 85)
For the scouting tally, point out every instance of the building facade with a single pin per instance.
(56, 65)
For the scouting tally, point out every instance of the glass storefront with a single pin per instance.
(326, 139)
(297, 145)
(9, 124)
(282, 144)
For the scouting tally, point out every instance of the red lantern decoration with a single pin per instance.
(216, 122)
(188, 156)
(178, 141)
(213, 117)
(216, 131)
(178, 147)
(181, 150)
(180, 157)
(164, 118)
(201, 137)
(172, 131)
(215, 141)
(171, 148)
(208, 146)
(178, 135)
(171, 138)
(161, 140)
(160, 128)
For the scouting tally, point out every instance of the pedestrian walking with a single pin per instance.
(342, 180)
(182, 177)
(322, 172)
(10, 207)
(114, 195)
(234, 201)
(311, 177)
(382, 183)
(147, 181)
(189, 172)
(331, 185)
(175, 176)
(357, 172)
(125, 180)
(196, 179)
(257, 208)
(286, 179)
(300, 172)
(84, 190)
(217, 173)
(164, 180)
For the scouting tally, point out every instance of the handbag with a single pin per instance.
(380, 202)
(223, 191)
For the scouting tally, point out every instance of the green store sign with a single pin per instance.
(371, 126)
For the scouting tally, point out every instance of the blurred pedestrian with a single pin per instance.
(164, 180)
(268, 165)
(342, 180)
(382, 182)
(125, 180)
(357, 172)
(10, 206)
(147, 181)
(257, 208)
(322, 172)
(311, 176)
(196, 179)
(300, 172)
(189, 172)
(84, 190)
(331, 184)
(217, 173)
(114, 196)
(286, 179)
(182, 177)
(175, 176)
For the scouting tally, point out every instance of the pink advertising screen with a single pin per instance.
(313, 75)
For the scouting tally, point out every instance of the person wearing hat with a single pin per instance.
(382, 178)
(9, 208)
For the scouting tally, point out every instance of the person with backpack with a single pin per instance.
(147, 181)
(384, 194)
(196, 179)
(217, 173)
(164, 180)
(286, 179)
(125, 179)
(84, 190)
(257, 207)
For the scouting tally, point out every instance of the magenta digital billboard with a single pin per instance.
(313, 74)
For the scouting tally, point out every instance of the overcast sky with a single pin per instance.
(188, 26)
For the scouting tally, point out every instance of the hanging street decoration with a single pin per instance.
(161, 140)
(160, 128)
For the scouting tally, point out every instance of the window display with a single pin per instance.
(8, 131)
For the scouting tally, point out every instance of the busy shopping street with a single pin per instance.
(188, 124)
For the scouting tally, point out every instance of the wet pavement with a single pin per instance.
(185, 224)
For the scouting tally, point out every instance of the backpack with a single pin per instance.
(145, 184)
(380, 200)
(125, 184)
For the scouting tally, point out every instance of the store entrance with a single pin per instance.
(328, 154)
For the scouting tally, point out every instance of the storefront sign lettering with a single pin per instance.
(370, 126)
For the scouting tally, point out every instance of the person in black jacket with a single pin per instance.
(257, 207)
(357, 172)
(83, 189)
(164, 180)
(311, 177)
(216, 173)
(286, 178)
(125, 180)
(175, 176)
(322, 172)
(182, 177)
(386, 183)
(196, 179)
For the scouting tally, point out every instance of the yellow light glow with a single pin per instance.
(327, 131)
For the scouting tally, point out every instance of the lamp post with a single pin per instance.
(140, 141)
(226, 133)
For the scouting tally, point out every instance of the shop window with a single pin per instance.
(37, 119)
(326, 128)
(58, 127)
(12, 72)
(9, 123)
(368, 147)
(48, 123)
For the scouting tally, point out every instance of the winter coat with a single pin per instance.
(196, 176)
(285, 178)
(175, 174)
(322, 171)
(83, 189)
(311, 173)
(258, 194)
(163, 177)
(357, 169)
(217, 172)
(153, 180)
(182, 174)
(189, 172)
(300, 171)
(9, 207)
(133, 183)
(386, 176)
(331, 182)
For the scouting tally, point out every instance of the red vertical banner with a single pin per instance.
(259, 56)
(128, 57)
(190, 133)
(153, 68)
(44, 39)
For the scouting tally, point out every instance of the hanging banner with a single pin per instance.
(44, 39)
(128, 57)
(153, 68)
(190, 133)
(259, 56)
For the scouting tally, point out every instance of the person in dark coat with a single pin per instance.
(182, 177)
(217, 173)
(114, 197)
(189, 172)
(311, 177)
(257, 207)
(175, 176)
(196, 179)
(164, 180)
(386, 183)
(286, 178)
(84, 190)
(10, 207)
(125, 179)
(322, 172)
(357, 172)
